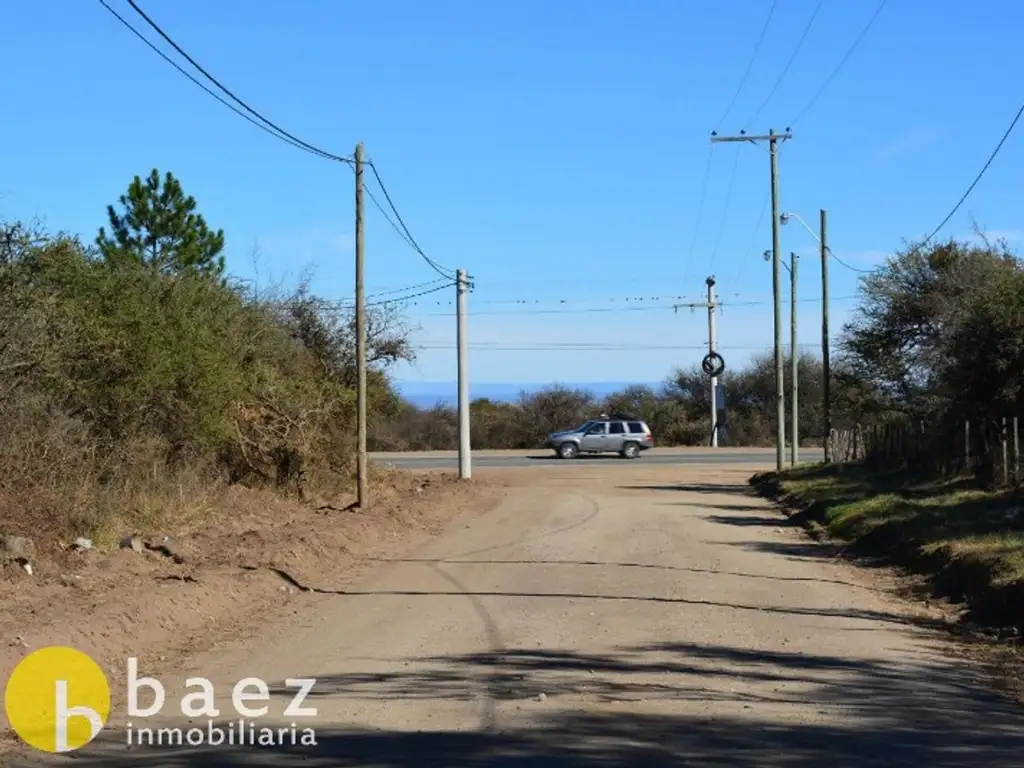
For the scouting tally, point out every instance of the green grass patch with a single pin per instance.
(969, 541)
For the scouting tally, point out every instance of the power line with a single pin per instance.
(181, 69)
(584, 347)
(792, 58)
(753, 239)
(725, 208)
(349, 304)
(750, 64)
(661, 308)
(429, 284)
(960, 202)
(444, 272)
(348, 301)
(297, 141)
(273, 129)
(981, 173)
(849, 266)
(411, 296)
(700, 213)
(842, 62)
(269, 126)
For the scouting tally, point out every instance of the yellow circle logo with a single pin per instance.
(57, 699)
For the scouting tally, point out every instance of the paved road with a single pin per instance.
(541, 457)
(653, 616)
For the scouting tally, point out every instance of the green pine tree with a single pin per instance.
(159, 227)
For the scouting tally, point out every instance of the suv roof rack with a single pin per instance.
(623, 417)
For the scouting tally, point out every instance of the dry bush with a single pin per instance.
(130, 396)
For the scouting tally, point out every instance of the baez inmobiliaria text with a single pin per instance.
(248, 699)
(57, 699)
(241, 733)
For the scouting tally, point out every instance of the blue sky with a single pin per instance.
(554, 149)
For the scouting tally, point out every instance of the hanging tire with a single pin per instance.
(568, 451)
(630, 451)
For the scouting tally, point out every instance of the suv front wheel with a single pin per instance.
(630, 450)
(568, 451)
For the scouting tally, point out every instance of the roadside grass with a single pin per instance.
(968, 543)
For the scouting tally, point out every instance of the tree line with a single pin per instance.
(938, 337)
(133, 366)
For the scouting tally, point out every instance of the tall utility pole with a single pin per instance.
(711, 350)
(462, 288)
(361, 463)
(825, 364)
(794, 358)
(780, 384)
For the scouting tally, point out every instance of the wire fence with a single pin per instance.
(986, 448)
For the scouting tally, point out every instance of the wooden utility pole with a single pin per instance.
(826, 394)
(780, 382)
(361, 462)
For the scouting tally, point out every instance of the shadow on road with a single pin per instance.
(721, 488)
(607, 564)
(746, 521)
(866, 714)
(581, 457)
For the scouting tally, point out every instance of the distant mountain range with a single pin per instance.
(427, 394)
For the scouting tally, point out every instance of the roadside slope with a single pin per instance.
(236, 573)
(967, 544)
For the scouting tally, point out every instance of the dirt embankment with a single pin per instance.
(182, 590)
(966, 544)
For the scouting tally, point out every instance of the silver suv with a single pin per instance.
(623, 435)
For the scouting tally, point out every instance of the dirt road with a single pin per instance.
(624, 616)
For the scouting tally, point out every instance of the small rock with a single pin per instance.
(27, 567)
(132, 542)
(83, 543)
(16, 548)
(542, 697)
(166, 546)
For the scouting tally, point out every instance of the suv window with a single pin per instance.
(636, 427)
(617, 428)
(597, 428)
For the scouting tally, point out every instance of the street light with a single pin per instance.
(822, 240)
(785, 217)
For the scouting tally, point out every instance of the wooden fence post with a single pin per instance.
(1016, 451)
(967, 445)
(1005, 451)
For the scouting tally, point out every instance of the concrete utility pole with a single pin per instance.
(712, 362)
(825, 363)
(712, 341)
(794, 359)
(462, 288)
(780, 384)
(361, 462)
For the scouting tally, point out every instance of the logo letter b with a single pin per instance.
(62, 713)
(134, 683)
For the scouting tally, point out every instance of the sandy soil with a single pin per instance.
(234, 573)
(622, 615)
